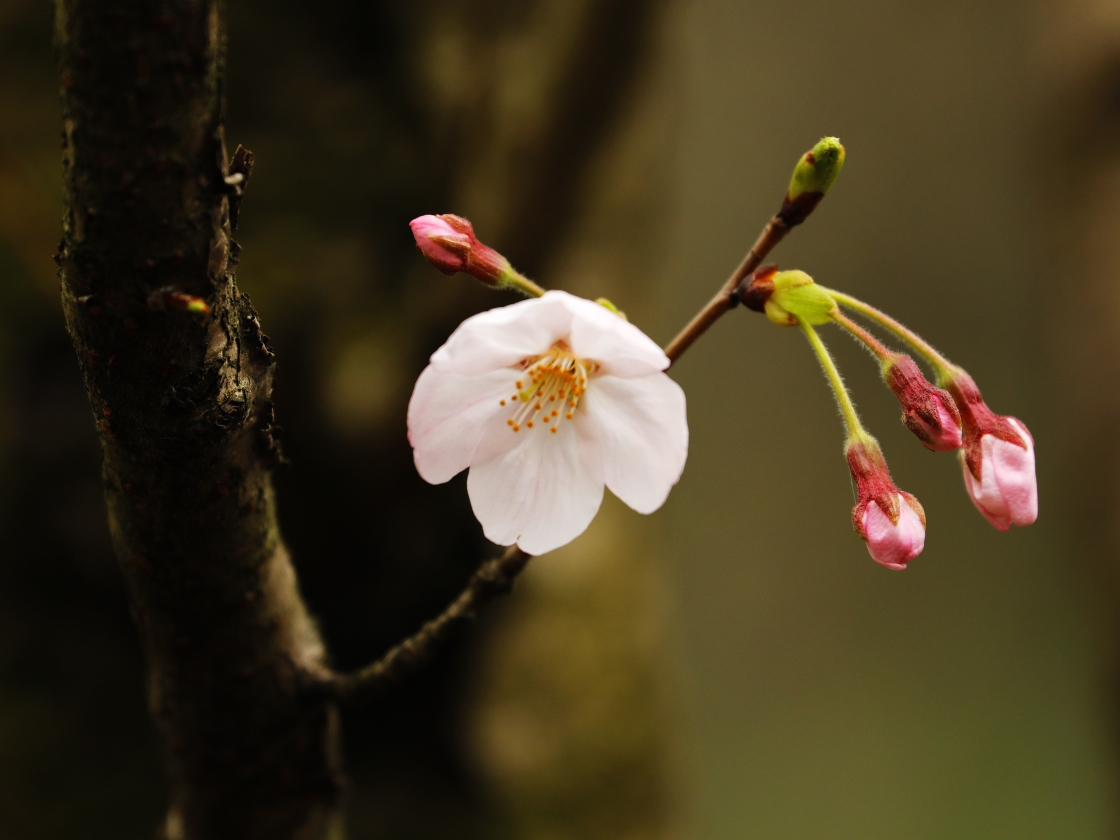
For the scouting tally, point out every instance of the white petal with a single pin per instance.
(448, 414)
(643, 430)
(504, 336)
(541, 493)
(620, 348)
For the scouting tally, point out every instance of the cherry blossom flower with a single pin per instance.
(546, 401)
(997, 458)
(891, 521)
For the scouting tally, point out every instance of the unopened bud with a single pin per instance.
(813, 176)
(997, 458)
(891, 521)
(787, 297)
(927, 411)
(448, 242)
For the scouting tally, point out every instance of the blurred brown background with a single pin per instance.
(735, 665)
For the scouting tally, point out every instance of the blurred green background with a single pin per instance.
(735, 665)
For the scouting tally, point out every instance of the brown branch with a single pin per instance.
(182, 403)
(774, 232)
(495, 577)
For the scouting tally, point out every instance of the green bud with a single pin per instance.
(813, 176)
(795, 297)
(817, 170)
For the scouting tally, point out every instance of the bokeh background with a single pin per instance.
(735, 665)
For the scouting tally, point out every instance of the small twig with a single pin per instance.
(495, 577)
(774, 232)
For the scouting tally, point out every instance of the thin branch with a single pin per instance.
(495, 577)
(725, 300)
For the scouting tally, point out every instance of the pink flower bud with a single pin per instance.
(891, 522)
(894, 544)
(448, 242)
(927, 411)
(997, 459)
(441, 244)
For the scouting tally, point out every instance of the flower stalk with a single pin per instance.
(928, 411)
(839, 389)
(942, 367)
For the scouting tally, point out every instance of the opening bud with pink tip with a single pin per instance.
(928, 411)
(448, 242)
(891, 521)
(997, 457)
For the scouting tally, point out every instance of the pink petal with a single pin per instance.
(501, 337)
(1016, 477)
(620, 348)
(983, 498)
(426, 230)
(448, 414)
(894, 545)
(642, 425)
(1007, 492)
(950, 436)
(543, 491)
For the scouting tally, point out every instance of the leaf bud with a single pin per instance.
(812, 178)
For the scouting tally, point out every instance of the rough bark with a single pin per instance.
(182, 404)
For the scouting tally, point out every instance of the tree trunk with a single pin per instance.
(181, 398)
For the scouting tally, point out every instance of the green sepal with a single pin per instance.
(606, 304)
(797, 298)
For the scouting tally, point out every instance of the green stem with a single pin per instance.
(843, 399)
(943, 367)
(881, 351)
(515, 280)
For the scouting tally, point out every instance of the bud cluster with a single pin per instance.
(997, 453)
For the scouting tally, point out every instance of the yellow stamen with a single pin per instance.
(556, 377)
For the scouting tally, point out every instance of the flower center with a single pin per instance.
(550, 388)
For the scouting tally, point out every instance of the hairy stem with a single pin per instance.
(182, 404)
(942, 366)
(881, 351)
(843, 398)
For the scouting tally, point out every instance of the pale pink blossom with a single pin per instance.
(891, 521)
(546, 401)
(997, 458)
